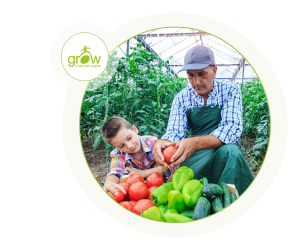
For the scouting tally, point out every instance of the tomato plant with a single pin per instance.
(142, 205)
(134, 178)
(154, 179)
(119, 197)
(168, 153)
(138, 191)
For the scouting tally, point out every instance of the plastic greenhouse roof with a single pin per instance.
(173, 43)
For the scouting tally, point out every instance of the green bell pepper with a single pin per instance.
(153, 213)
(173, 217)
(172, 210)
(181, 176)
(159, 196)
(175, 201)
(163, 209)
(191, 192)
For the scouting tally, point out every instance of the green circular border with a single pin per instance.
(63, 49)
(209, 34)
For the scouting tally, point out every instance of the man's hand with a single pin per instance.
(157, 151)
(186, 148)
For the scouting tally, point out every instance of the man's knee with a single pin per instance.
(229, 149)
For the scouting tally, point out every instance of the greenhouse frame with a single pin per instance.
(171, 44)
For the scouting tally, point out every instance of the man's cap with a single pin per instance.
(198, 57)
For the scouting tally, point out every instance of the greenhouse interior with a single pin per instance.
(142, 79)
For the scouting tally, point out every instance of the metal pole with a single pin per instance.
(127, 51)
(201, 39)
(243, 70)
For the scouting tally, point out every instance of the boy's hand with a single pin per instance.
(157, 151)
(135, 171)
(111, 186)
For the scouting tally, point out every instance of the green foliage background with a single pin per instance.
(256, 118)
(139, 88)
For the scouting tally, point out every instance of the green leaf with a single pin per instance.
(142, 128)
(131, 63)
(96, 128)
(142, 119)
(140, 111)
(153, 127)
(141, 67)
(97, 141)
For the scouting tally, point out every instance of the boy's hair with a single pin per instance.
(112, 126)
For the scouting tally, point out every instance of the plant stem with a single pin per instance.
(105, 118)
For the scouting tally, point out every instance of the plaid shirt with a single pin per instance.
(224, 93)
(121, 160)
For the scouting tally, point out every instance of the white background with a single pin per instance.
(71, 116)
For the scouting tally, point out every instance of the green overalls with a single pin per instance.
(225, 163)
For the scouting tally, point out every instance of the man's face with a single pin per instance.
(127, 140)
(202, 79)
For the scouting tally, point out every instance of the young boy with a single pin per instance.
(132, 153)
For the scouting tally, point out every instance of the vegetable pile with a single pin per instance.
(182, 200)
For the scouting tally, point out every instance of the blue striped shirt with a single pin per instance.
(227, 94)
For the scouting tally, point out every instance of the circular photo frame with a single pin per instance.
(271, 161)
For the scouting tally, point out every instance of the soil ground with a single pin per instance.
(97, 158)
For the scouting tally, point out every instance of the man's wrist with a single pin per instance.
(205, 142)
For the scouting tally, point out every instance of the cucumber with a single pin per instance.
(202, 208)
(216, 204)
(189, 213)
(232, 197)
(204, 181)
(211, 189)
(226, 195)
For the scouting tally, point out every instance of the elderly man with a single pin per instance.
(212, 112)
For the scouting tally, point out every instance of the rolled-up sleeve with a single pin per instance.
(117, 166)
(178, 123)
(231, 125)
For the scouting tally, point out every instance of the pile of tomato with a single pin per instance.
(137, 197)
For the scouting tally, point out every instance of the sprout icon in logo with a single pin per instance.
(84, 58)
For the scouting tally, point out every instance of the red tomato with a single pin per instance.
(126, 187)
(168, 153)
(127, 204)
(142, 205)
(119, 197)
(150, 191)
(154, 179)
(134, 178)
(133, 202)
(138, 191)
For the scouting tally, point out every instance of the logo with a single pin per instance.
(84, 62)
(84, 58)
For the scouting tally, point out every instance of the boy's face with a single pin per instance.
(127, 140)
